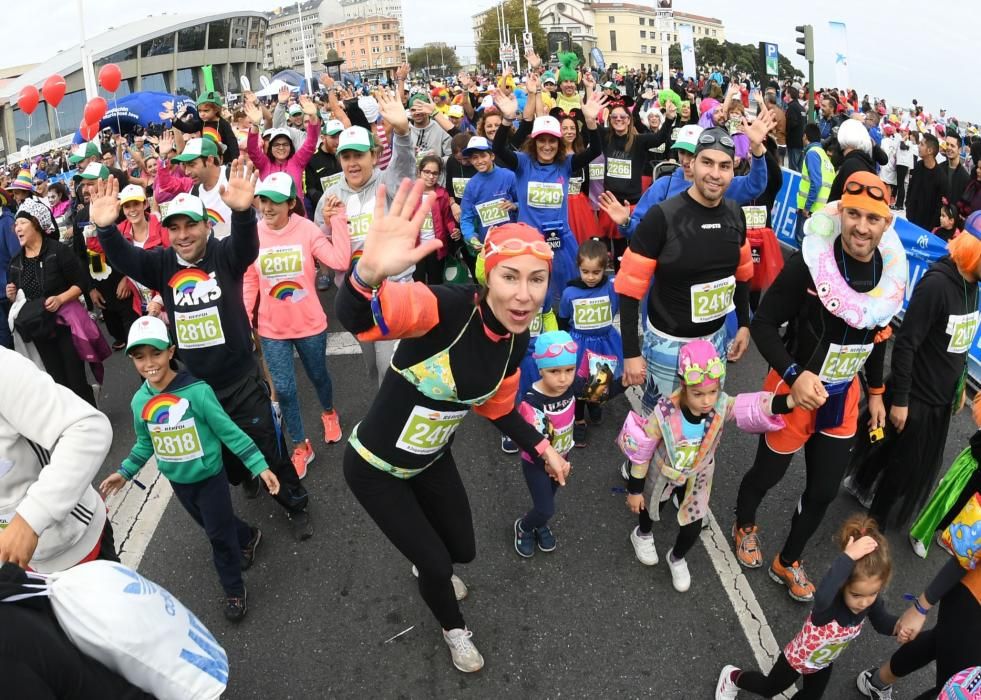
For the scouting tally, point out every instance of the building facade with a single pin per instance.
(289, 32)
(629, 35)
(162, 53)
(368, 45)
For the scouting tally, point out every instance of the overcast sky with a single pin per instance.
(900, 54)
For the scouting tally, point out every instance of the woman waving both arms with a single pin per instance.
(543, 168)
(461, 347)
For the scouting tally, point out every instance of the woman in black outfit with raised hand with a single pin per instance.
(461, 348)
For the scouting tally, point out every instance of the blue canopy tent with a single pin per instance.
(139, 109)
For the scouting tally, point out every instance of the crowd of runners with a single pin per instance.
(529, 247)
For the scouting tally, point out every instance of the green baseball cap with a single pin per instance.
(210, 97)
(187, 205)
(279, 187)
(89, 149)
(332, 127)
(95, 171)
(355, 138)
(197, 148)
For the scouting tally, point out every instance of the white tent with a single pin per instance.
(273, 89)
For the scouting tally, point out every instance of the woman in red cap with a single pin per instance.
(461, 348)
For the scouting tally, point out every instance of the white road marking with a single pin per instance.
(135, 513)
(342, 343)
(758, 632)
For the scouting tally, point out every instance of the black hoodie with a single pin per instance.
(853, 162)
(923, 365)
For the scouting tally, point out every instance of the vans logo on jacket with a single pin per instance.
(193, 286)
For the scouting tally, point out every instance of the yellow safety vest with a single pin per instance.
(827, 177)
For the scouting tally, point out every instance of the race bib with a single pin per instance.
(198, 329)
(684, 454)
(329, 181)
(493, 212)
(176, 443)
(281, 261)
(575, 185)
(459, 185)
(735, 125)
(561, 439)
(755, 217)
(596, 171)
(824, 656)
(843, 362)
(427, 430)
(961, 330)
(428, 231)
(358, 227)
(712, 300)
(536, 325)
(620, 168)
(545, 195)
(675, 132)
(589, 314)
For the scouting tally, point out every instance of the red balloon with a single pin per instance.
(28, 99)
(88, 131)
(53, 90)
(95, 109)
(110, 77)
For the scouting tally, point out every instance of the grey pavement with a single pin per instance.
(586, 621)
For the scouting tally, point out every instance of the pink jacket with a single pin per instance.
(283, 277)
(443, 222)
(87, 338)
(170, 182)
(295, 165)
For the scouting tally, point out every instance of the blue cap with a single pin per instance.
(973, 224)
(555, 349)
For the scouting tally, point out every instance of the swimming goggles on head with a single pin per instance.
(513, 247)
(556, 349)
(695, 375)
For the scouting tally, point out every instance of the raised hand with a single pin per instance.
(394, 113)
(764, 123)
(670, 110)
(392, 244)
(508, 104)
(534, 61)
(588, 78)
(165, 144)
(594, 105)
(532, 83)
(240, 190)
(402, 72)
(104, 202)
(326, 81)
(309, 108)
(249, 98)
(425, 106)
(284, 95)
(464, 79)
(618, 211)
(253, 114)
(331, 207)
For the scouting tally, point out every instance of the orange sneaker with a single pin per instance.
(748, 550)
(793, 577)
(302, 456)
(332, 426)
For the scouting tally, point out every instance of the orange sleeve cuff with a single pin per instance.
(502, 402)
(409, 309)
(634, 278)
(883, 335)
(744, 271)
(877, 390)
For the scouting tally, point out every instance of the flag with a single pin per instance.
(687, 39)
(839, 49)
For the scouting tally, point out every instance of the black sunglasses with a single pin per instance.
(874, 191)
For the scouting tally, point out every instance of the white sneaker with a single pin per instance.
(97, 394)
(725, 689)
(465, 655)
(680, 578)
(625, 470)
(918, 547)
(643, 547)
(459, 587)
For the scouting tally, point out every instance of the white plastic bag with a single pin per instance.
(139, 630)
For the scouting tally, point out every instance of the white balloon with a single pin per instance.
(246, 85)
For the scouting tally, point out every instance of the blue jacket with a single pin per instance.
(9, 245)
(742, 190)
(499, 183)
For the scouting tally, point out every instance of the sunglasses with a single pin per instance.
(430, 173)
(515, 246)
(725, 140)
(619, 118)
(694, 375)
(874, 191)
(556, 349)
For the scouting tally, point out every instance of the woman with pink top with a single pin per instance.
(290, 316)
(281, 155)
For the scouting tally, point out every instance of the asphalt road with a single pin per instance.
(586, 621)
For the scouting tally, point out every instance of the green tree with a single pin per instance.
(488, 42)
(741, 57)
(433, 55)
(332, 55)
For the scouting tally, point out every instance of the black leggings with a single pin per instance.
(63, 363)
(954, 644)
(429, 270)
(781, 677)
(825, 458)
(117, 313)
(427, 518)
(687, 534)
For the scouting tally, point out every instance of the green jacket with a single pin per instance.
(185, 427)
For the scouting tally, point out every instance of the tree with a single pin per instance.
(742, 57)
(488, 42)
(433, 55)
(332, 55)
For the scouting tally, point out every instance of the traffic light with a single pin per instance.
(806, 38)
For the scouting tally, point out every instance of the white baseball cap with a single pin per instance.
(688, 138)
(132, 193)
(95, 171)
(546, 125)
(148, 330)
(279, 187)
(355, 138)
(333, 127)
(475, 144)
(187, 205)
(455, 111)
